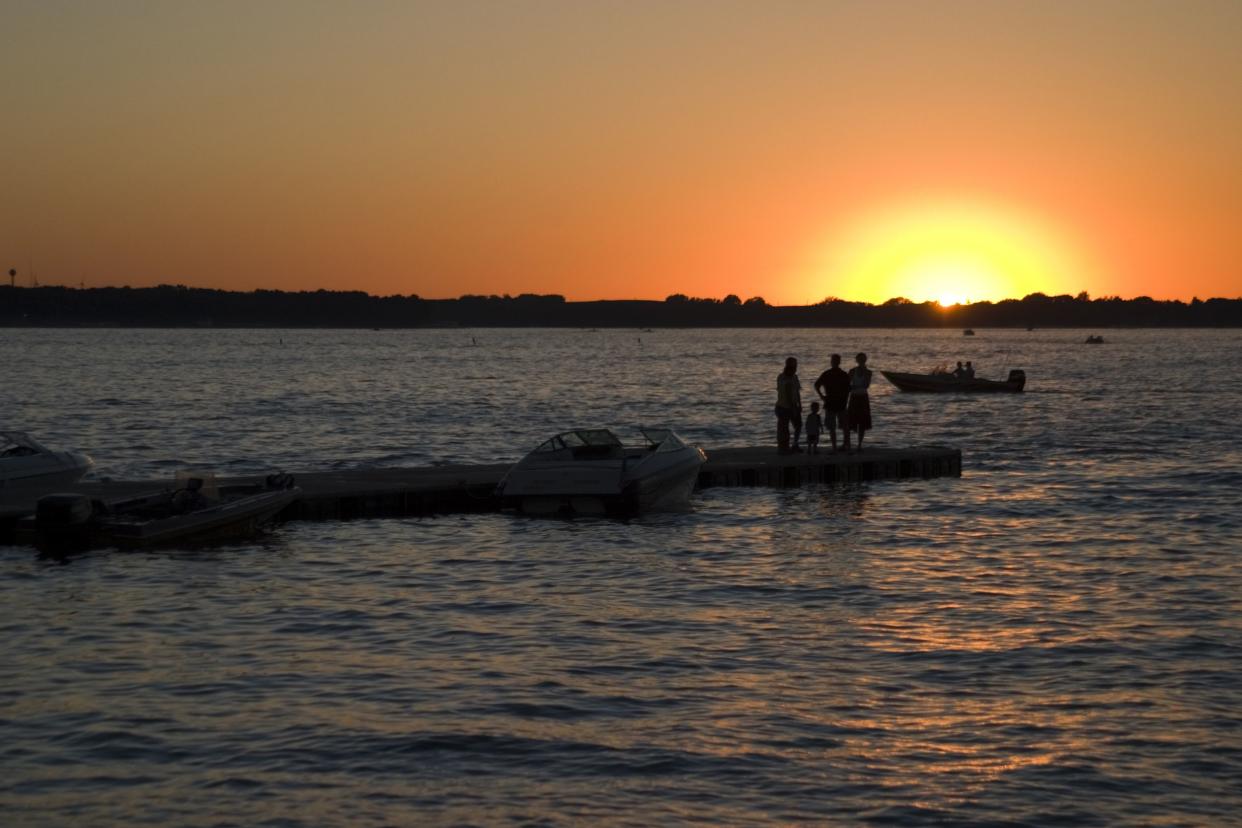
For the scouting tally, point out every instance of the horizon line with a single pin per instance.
(673, 298)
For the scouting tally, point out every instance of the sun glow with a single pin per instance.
(950, 253)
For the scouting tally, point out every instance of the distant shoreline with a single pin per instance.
(599, 328)
(180, 307)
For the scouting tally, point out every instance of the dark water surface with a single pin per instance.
(1055, 638)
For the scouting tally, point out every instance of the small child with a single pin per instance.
(813, 426)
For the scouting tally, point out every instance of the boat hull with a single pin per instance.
(949, 384)
(670, 489)
(232, 519)
(603, 489)
(72, 522)
(23, 480)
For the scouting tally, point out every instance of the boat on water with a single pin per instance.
(29, 470)
(968, 332)
(590, 471)
(943, 382)
(1094, 340)
(196, 511)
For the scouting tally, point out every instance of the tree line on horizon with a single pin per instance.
(182, 306)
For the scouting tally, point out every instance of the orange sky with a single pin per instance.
(968, 150)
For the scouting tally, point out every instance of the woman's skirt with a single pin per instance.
(858, 410)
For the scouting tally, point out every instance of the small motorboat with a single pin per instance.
(1094, 340)
(29, 470)
(968, 332)
(197, 511)
(590, 471)
(943, 382)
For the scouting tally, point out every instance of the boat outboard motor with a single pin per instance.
(64, 520)
(1018, 377)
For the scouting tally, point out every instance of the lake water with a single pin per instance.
(1054, 638)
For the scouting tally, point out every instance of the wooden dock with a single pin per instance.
(394, 492)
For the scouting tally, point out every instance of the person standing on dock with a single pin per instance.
(788, 407)
(858, 411)
(813, 426)
(833, 387)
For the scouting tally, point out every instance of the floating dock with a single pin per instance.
(762, 466)
(428, 490)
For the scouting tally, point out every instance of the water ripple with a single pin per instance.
(1052, 639)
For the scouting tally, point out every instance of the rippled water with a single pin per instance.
(1052, 639)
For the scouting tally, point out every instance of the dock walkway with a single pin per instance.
(392, 492)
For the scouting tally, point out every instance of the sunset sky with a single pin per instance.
(934, 150)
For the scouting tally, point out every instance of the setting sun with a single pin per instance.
(949, 253)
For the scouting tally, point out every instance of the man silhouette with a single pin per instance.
(833, 387)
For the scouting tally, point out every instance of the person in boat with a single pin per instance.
(858, 410)
(959, 371)
(788, 407)
(813, 427)
(969, 371)
(833, 387)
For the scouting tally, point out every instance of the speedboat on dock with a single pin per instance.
(29, 469)
(196, 511)
(590, 471)
(947, 383)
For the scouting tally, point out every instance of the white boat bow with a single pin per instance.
(29, 470)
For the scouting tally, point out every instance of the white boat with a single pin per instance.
(29, 470)
(590, 471)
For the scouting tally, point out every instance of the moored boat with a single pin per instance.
(591, 471)
(29, 470)
(196, 512)
(947, 383)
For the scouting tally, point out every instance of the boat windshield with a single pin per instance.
(662, 439)
(17, 444)
(597, 437)
(202, 482)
